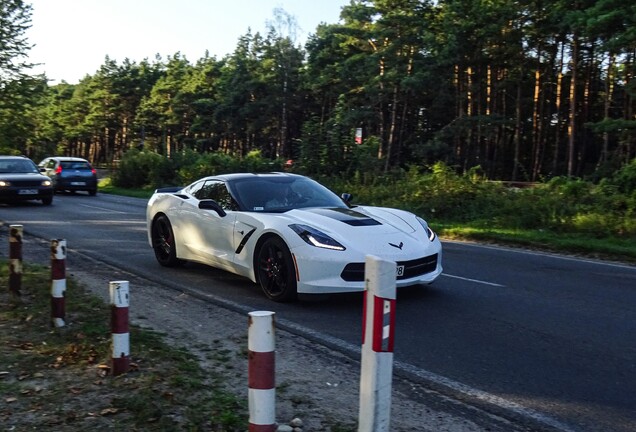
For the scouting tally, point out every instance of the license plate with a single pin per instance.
(399, 271)
(78, 183)
(27, 192)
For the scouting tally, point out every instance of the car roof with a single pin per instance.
(238, 176)
(68, 159)
(14, 157)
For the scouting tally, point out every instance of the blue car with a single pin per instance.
(70, 174)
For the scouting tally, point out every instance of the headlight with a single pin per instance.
(4, 183)
(316, 238)
(429, 232)
(46, 183)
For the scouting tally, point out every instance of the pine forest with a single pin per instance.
(525, 90)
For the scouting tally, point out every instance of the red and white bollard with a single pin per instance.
(119, 301)
(58, 282)
(378, 327)
(261, 372)
(15, 260)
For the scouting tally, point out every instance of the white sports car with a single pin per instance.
(288, 233)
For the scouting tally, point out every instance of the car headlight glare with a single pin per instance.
(4, 183)
(46, 183)
(316, 237)
(429, 232)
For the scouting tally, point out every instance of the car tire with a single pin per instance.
(163, 243)
(47, 201)
(92, 192)
(276, 271)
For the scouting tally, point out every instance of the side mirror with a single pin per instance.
(346, 197)
(209, 204)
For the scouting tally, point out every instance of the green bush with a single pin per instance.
(438, 192)
(143, 169)
(624, 179)
(146, 169)
(560, 205)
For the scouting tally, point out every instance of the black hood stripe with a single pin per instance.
(348, 216)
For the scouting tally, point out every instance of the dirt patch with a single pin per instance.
(316, 384)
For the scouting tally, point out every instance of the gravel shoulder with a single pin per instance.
(314, 383)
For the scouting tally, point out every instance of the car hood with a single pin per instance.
(373, 220)
(23, 176)
(387, 233)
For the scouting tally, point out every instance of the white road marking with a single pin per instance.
(473, 280)
(484, 396)
(542, 253)
(103, 209)
(410, 370)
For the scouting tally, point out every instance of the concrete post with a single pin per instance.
(378, 328)
(119, 300)
(58, 282)
(261, 372)
(15, 260)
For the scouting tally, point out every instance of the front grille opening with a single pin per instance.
(354, 272)
(26, 183)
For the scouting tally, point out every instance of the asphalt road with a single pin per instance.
(543, 339)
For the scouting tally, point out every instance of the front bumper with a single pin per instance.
(78, 184)
(18, 194)
(325, 272)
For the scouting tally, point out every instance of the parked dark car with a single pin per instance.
(70, 174)
(21, 180)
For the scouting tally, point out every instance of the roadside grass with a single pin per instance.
(58, 378)
(106, 186)
(616, 249)
(610, 248)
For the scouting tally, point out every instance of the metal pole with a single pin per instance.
(378, 328)
(119, 300)
(15, 260)
(58, 282)
(261, 372)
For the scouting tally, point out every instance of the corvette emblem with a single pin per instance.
(397, 246)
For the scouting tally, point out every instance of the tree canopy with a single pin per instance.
(20, 93)
(525, 90)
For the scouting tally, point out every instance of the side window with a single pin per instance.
(195, 189)
(205, 191)
(216, 190)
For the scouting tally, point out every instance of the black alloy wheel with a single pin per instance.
(276, 270)
(163, 242)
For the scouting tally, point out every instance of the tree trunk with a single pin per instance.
(609, 90)
(536, 121)
(573, 108)
(392, 126)
(459, 111)
(517, 135)
(557, 115)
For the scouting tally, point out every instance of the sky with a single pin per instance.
(71, 38)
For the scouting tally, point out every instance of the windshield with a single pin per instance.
(280, 194)
(76, 165)
(18, 166)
